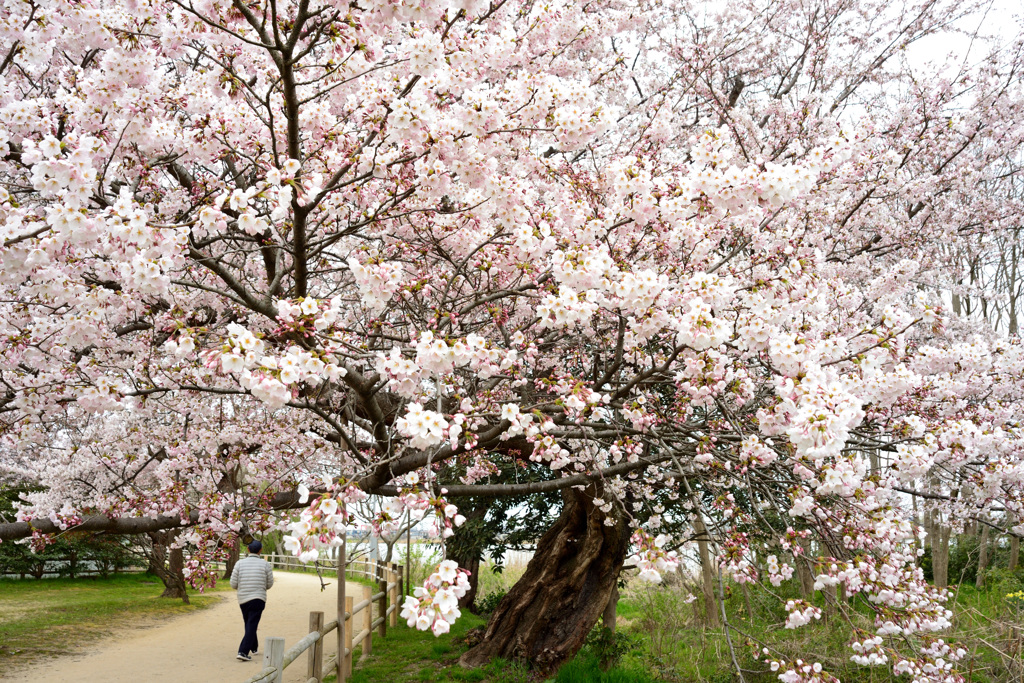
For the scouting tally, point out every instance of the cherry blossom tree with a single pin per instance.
(266, 256)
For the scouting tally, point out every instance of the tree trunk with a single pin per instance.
(746, 601)
(929, 527)
(464, 547)
(831, 596)
(550, 611)
(609, 655)
(940, 554)
(707, 571)
(176, 569)
(73, 563)
(473, 565)
(608, 617)
(169, 567)
(803, 571)
(979, 580)
(229, 564)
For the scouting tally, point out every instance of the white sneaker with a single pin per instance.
(243, 658)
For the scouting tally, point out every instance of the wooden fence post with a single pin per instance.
(315, 668)
(382, 586)
(368, 621)
(393, 595)
(273, 655)
(341, 607)
(349, 625)
(401, 582)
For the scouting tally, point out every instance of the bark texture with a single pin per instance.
(168, 565)
(468, 601)
(229, 564)
(979, 580)
(608, 618)
(707, 571)
(550, 611)
(466, 549)
(804, 573)
(940, 555)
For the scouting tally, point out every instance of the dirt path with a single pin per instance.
(199, 647)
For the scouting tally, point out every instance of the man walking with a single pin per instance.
(251, 577)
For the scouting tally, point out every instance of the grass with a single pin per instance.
(407, 655)
(500, 581)
(665, 640)
(38, 618)
(586, 668)
(410, 655)
(675, 646)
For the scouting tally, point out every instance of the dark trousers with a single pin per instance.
(251, 613)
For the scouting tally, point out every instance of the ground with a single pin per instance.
(198, 647)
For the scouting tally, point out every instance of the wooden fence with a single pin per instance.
(389, 588)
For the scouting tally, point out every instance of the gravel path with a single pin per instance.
(199, 647)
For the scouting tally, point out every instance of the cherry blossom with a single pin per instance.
(245, 258)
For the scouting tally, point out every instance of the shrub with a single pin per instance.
(489, 603)
(609, 647)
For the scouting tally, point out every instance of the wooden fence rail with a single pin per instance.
(276, 658)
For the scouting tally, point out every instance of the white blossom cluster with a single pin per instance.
(435, 604)
(869, 651)
(801, 613)
(269, 378)
(777, 573)
(377, 282)
(322, 524)
(651, 558)
(423, 428)
(417, 504)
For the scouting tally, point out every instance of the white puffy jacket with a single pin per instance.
(252, 576)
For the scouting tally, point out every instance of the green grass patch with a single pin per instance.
(664, 639)
(586, 668)
(410, 655)
(39, 618)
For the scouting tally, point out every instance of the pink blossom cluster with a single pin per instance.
(801, 613)
(459, 236)
(435, 604)
(777, 573)
(800, 671)
(323, 523)
(650, 557)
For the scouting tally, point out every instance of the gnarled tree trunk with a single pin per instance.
(168, 565)
(547, 615)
